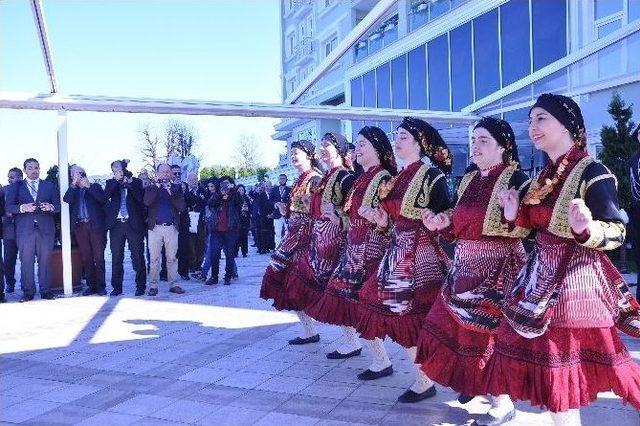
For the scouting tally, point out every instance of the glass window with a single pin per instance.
(369, 89)
(399, 82)
(419, 14)
(610, 60)
(356, 126)
(438, 57)
(514, 33)
(633, 10)
(383, 85)
(549, 18)
(633, 45)
(330, 45)
(437, 8)
(556, 82)
(486, 60)
(417, 78)
(356, 92)
(606, 29)
(375, 41)
(607, 7)
(461, 75)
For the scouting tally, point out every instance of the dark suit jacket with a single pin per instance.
(2, 216)
(275, 198)
(266, 207)
(135, 205)
(94, 197)
(176, 199)
(18, 194)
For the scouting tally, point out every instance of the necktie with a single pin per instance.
(123, 204)
(33, 190)
(83, 213)
(281, 193)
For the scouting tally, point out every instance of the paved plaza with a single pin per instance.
(213, 356)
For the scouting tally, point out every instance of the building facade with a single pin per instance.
(487, 57)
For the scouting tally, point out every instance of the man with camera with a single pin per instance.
(86, 208)
(226, 204)
(164, 200)
(280, 195)
(34, 202)
(9, 236)
(125, 220)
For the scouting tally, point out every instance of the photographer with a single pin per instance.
(125, 220)
(226, 206)
(164, 200)
(34, 202)
(86, 207)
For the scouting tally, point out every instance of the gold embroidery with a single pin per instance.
(524, 184)
(416, 198)
(330, 194)
(559, 224)
(371, 196)
(304, 188)
(605, 235)
(464, 183)
(493, 225)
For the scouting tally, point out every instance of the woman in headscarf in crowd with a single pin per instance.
(557, 345)
(457, 335)
(395, 301)
(295, 245)
(328, 236)
(365, 244)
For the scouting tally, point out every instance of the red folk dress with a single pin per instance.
(559, 346)
(457, 336)
(360, 260)
(394, 301)
(294, 246)
(307, 282)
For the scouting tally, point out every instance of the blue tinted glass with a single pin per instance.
(485, 43)
(369, 89)
(634, 10)
(417, 78)
(399, 82)
(549, 18)
(605, 8)
(438, 7)
(355, 128)
(356, 92)
(461, 77)
(383, 86)
(438, 50)
(514, 27)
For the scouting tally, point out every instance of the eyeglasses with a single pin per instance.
(177, 173)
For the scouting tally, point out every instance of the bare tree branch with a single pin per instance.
(248, 153)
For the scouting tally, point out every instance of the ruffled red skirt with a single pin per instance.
(563, 369)
(452, 355)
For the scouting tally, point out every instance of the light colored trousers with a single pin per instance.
(159, 235)
(280, 225)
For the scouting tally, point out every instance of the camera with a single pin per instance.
(83, 174)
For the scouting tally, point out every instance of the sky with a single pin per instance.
(225, 50)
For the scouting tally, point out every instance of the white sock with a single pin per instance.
(351, 342)
(566, 418)
(423, 382)
(500, 405)
(380, 357)
(309, 328)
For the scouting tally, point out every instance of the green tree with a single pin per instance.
(618, 146)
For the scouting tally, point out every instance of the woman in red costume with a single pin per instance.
(395, 301)
(295, 245)
(457, 335)
(557, 345)
(365, 244)
(328, 235)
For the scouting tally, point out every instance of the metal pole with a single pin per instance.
(65, 225)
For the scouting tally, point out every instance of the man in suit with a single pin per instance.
(183, 226)
(86, 207)
(2, 298)
(9, 237)
(196, 201)
(266, 219)
(34, 202)
(164, 201)
(280, 194)
(125, 220)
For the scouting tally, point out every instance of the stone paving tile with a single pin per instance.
(105, 398)
(8, 400)
(215, 394)
(352, 411)
(169, 370)
(143, 405)
(185, 411)
(207, 375)
(329, 390)
(305, 405)
(374, 394)
(69, 374)
(244, 380)
(67, 414)
(178, 389)
(27, 410)
(110, 419)
(68, 393)
(231, 416)
(292, 385)
(103, 379)
(279, 419)
(30, 389)
(306, 371)
(261, 400)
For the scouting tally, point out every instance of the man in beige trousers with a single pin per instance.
(165, 201)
